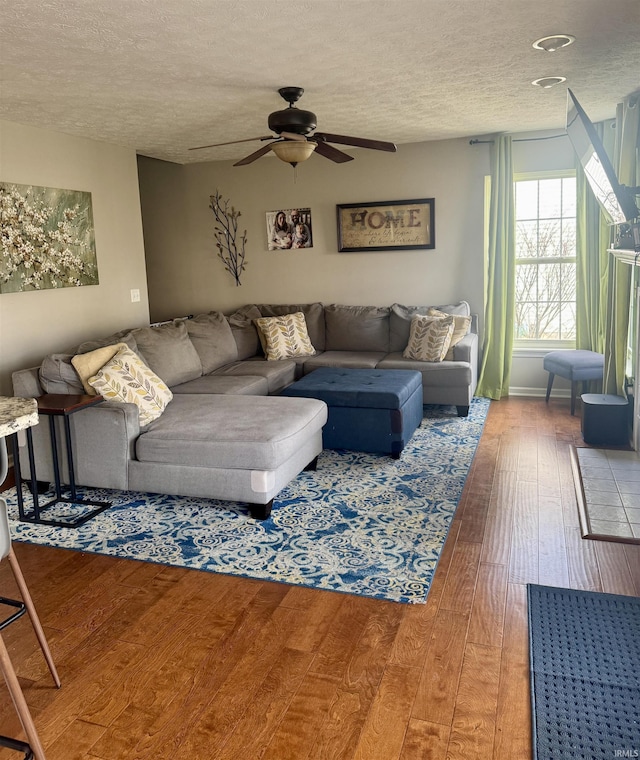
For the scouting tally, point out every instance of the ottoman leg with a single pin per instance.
(549, 385)
(260, 511)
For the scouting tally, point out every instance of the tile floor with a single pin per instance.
(611, 485)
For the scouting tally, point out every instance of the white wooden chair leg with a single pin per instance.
(35, 620)
(19, 701)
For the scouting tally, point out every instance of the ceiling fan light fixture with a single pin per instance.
(554, 42)
(293, 151)
(548, 82)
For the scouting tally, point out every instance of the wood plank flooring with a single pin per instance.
(161, 662)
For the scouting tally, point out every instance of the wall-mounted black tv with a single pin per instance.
(617, 201)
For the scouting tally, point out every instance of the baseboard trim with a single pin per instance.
(538, 392)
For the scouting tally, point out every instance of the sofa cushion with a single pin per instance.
(86, 365)
(123, 336)
(213, 339)
(284, 337)
(429, 338)
(277, 374)
(244, 385)
(344, 359)
(58, 375)
(245, 332)
(225, 431)
(356, 328)
(400, 320)
(443, 374)
(313, 315)
(168, 351)
(126, 379)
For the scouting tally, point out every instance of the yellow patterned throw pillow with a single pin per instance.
(429, 338)
(284, 337)
(126, 378)
(86, 365)
(461, 325)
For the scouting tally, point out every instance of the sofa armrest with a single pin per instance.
(466, 350)
(26, 383)
(103, 439)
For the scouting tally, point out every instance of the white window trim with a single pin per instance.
(549, 174)
(535, 348)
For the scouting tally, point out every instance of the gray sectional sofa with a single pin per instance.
(227, 434)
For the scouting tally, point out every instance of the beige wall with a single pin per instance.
(33, 324)
(185, 276)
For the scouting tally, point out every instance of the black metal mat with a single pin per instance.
(585, 674)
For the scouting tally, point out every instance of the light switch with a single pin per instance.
(135, 295)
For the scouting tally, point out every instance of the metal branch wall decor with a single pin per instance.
(231, 249)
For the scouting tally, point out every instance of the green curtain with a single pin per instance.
(495, 370)
(592, 262)
(625, 161)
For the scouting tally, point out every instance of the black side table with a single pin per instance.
(52, 406)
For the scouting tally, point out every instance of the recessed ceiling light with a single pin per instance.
(553, 42)
(547, 82)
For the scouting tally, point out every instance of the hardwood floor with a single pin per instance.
(162, 662)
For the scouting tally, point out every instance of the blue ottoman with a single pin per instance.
(376, 410)
(574, 365)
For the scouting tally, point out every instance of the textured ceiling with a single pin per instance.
(161, 76)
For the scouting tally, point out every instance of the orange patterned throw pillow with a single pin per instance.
(429, 338)
(284, 337)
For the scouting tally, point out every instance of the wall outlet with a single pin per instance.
(135, 295)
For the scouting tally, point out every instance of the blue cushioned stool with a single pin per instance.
(376, 410)
(576, 366)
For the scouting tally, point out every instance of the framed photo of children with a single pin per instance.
(289, 229)
(387, 225)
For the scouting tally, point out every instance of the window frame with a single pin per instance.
(540, 347)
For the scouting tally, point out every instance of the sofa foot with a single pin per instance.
(312, 466)
(260, 511)
(463, 411)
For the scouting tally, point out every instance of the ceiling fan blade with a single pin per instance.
(233, 142)
(358, 142)
(328, 151)
(293, 136)
(254, 156)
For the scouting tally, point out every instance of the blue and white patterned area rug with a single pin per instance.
(363, 524)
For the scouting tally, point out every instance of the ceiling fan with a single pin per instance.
(293, 142)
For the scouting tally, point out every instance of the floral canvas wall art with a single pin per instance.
(48, 238)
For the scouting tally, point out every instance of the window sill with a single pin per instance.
(539, 350)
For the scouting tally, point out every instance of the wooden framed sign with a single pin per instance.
(386, 225)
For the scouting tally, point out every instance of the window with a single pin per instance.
(545, 260)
